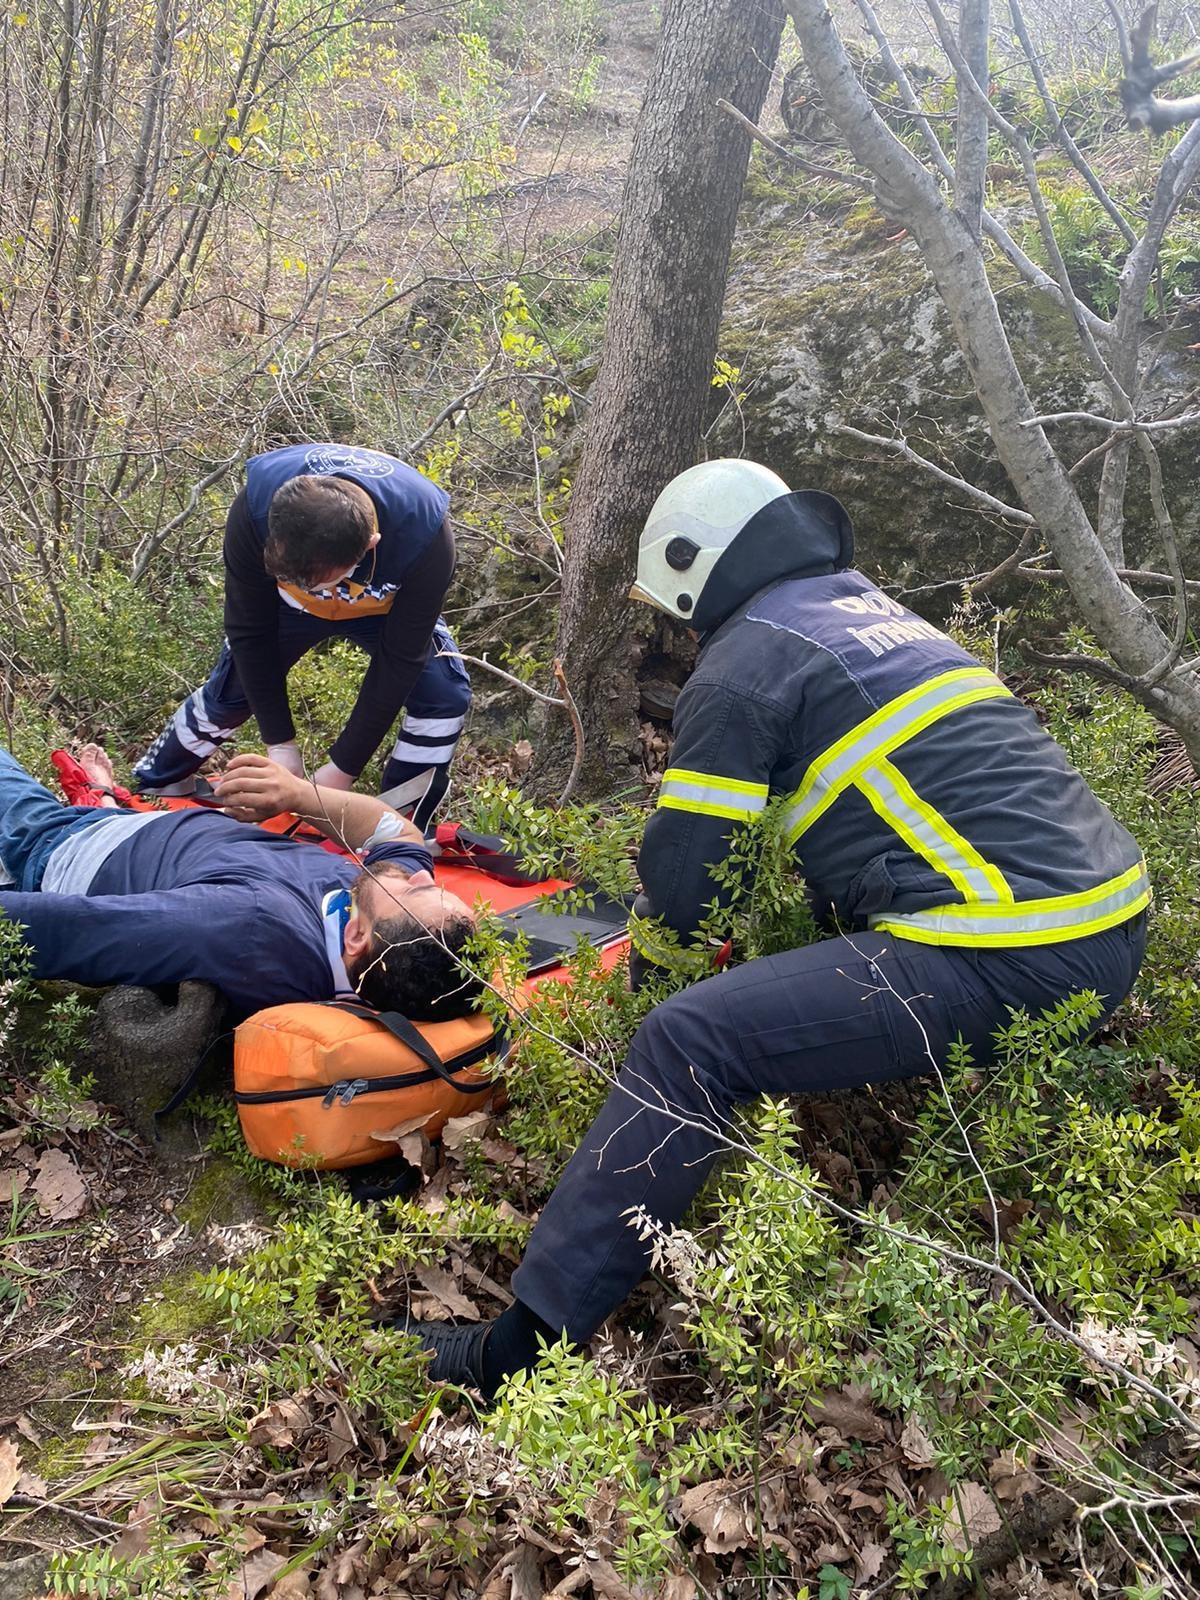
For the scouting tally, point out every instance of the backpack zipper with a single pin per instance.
(346, 1090)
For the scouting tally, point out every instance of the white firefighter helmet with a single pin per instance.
(691, 524)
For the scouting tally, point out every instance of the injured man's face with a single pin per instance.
(404, 943)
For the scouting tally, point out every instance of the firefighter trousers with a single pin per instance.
(859, 1009)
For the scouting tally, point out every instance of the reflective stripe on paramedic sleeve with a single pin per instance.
(712, 795)
(1026, 922)
(878, 735)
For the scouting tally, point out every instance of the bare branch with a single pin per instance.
(1166, 533)
(852, 180)
(972, 145)
(154, 541)
(899, 446)
(567, 704)
(908, 94)
(1142, 107)
(1076, 155)
(1011, 563)
(1187, 419)
(999, 235)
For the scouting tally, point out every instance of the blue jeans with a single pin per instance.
(33, 823)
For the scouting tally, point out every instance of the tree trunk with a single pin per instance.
(650, 397)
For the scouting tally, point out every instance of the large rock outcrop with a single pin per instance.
(837, 321)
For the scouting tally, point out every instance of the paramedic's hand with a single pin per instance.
(251, 789)
(331, 777)
(287, 756)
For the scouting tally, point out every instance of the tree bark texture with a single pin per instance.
(650, 398)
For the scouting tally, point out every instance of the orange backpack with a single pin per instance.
(336, 1084)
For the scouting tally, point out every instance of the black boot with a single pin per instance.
(457, 1349)
(480, 1355)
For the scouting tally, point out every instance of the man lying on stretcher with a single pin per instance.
(107, 896)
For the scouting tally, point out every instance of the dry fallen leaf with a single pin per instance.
(343, 1441)
(296, 1586)
(677, 1587)
(833, 1551)
(254, 1575)
(974, 1517)
(606, 1581)
(459, 1130)
(868, 1561)
(401, 1131)
(135, 1537)
(441, 1288)
(60, 1190)
(340, 1573)
(1010, 1481)
(853, 1416)
(1070, 1439)
(24, 1426)
(1006, 1218)
(718, 1509)
(280, 1425)
(915, 1445)
(10, 1468)
(417, 1150)
(522, 1568)
(859, 1501)
(813, 1490)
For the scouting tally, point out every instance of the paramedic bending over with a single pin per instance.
(330, 540)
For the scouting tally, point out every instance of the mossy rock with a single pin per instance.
(835, 320)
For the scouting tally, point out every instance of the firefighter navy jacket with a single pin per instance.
(406, 575)
(920, 796)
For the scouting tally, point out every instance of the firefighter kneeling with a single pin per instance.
(964, 865)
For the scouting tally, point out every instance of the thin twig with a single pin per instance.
(850, 179)
(898, 445)
(568, 700)
(566, 703)
(1130, 425)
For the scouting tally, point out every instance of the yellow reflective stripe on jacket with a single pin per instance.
(1026, 922)
(712, 795)
(930, 835)
(878, 735)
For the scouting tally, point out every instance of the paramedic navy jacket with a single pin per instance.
(921, 798)
(406, 575)
(195, 894)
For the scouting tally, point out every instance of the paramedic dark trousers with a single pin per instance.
(855, 1010)
(434, 713)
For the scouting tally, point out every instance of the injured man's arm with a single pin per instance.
(252, 788)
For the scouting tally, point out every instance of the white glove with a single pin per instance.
(331, 777)
(288, 757)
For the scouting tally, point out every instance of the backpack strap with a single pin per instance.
(401, 1028)
(187, 1088)
(459, 847)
